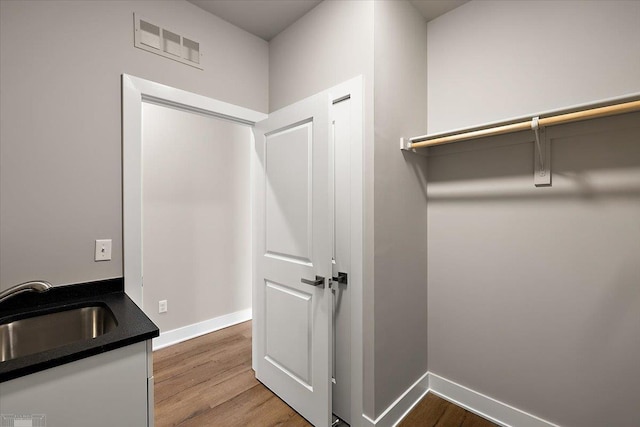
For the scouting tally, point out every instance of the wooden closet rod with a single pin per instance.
(609, 110)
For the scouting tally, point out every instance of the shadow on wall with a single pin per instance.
(589, 160)
(419, 168)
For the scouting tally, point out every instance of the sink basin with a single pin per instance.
(48, 331)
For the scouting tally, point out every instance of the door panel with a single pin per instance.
(293, 242)
(288, 337)
(288, 166)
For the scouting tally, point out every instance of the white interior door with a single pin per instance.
(292, 319)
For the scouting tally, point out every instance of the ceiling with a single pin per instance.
(431, 9)
(267, 18)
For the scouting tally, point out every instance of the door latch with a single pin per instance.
(342, 278)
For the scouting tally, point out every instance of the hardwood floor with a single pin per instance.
(433, 411)
(208, 381)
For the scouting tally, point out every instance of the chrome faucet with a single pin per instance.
(33, 286)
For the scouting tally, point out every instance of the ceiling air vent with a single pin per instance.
(153, 38)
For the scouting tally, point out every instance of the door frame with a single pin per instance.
(135, 90)
(354, 90)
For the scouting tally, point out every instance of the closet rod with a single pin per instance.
(609, 110)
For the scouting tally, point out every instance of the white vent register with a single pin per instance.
(163, 42)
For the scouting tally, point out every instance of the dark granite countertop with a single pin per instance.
(133, 325)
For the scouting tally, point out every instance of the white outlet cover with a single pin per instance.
(162, 306)
(103, 250)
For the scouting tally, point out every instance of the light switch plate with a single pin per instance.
(103, 250)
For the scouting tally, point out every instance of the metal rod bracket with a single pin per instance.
(541, 157)
(405, 144)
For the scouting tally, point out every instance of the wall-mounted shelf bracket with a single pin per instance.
(406, 145)
(542, 156)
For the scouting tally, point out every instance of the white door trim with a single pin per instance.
(353, 88)
(134, 91)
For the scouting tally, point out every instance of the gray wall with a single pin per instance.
(60, 143)
(196, 204)
(494, 60)
(329, 45)
(533, 292)
(400, 201)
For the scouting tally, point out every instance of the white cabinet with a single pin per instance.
(106, 390)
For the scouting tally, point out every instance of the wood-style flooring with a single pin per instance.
(208, 381)
(433, 411)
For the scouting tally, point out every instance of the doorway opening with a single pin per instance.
(343, 125)
(196, 222)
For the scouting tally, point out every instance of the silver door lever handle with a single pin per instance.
(318, 282)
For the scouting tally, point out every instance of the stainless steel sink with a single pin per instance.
(45, 332)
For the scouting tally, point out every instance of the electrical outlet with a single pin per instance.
(103, 250)
(162, 306)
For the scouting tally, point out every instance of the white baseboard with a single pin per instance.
(401, 407)
(484, 406)
(195, 330)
